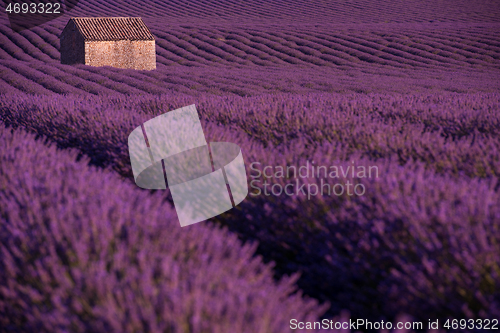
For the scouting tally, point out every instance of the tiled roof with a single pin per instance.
(112, 28)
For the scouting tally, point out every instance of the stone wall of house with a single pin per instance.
(138, 54)
(72, 46)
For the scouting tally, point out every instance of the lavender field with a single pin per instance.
(410, 90)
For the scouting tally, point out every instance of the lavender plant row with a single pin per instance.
(422, 239)
(83, 251)
(451, 133)
(313, 12)
(262, 58)
(242, 80)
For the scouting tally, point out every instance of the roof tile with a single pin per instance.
(112, 28)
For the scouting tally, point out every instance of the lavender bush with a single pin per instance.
(84, 252)
(407, 233)
(411, 88)
(457, 134)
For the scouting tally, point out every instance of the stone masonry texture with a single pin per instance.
(118, 42)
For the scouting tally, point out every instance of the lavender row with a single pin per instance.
(398, 238)
(255, 45)
(313, 12)
(49, 82)
(451, 133)
(83, 251)
(421, 232)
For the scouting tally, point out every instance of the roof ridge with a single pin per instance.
(100, 17)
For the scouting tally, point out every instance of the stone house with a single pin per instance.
(123, 42)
